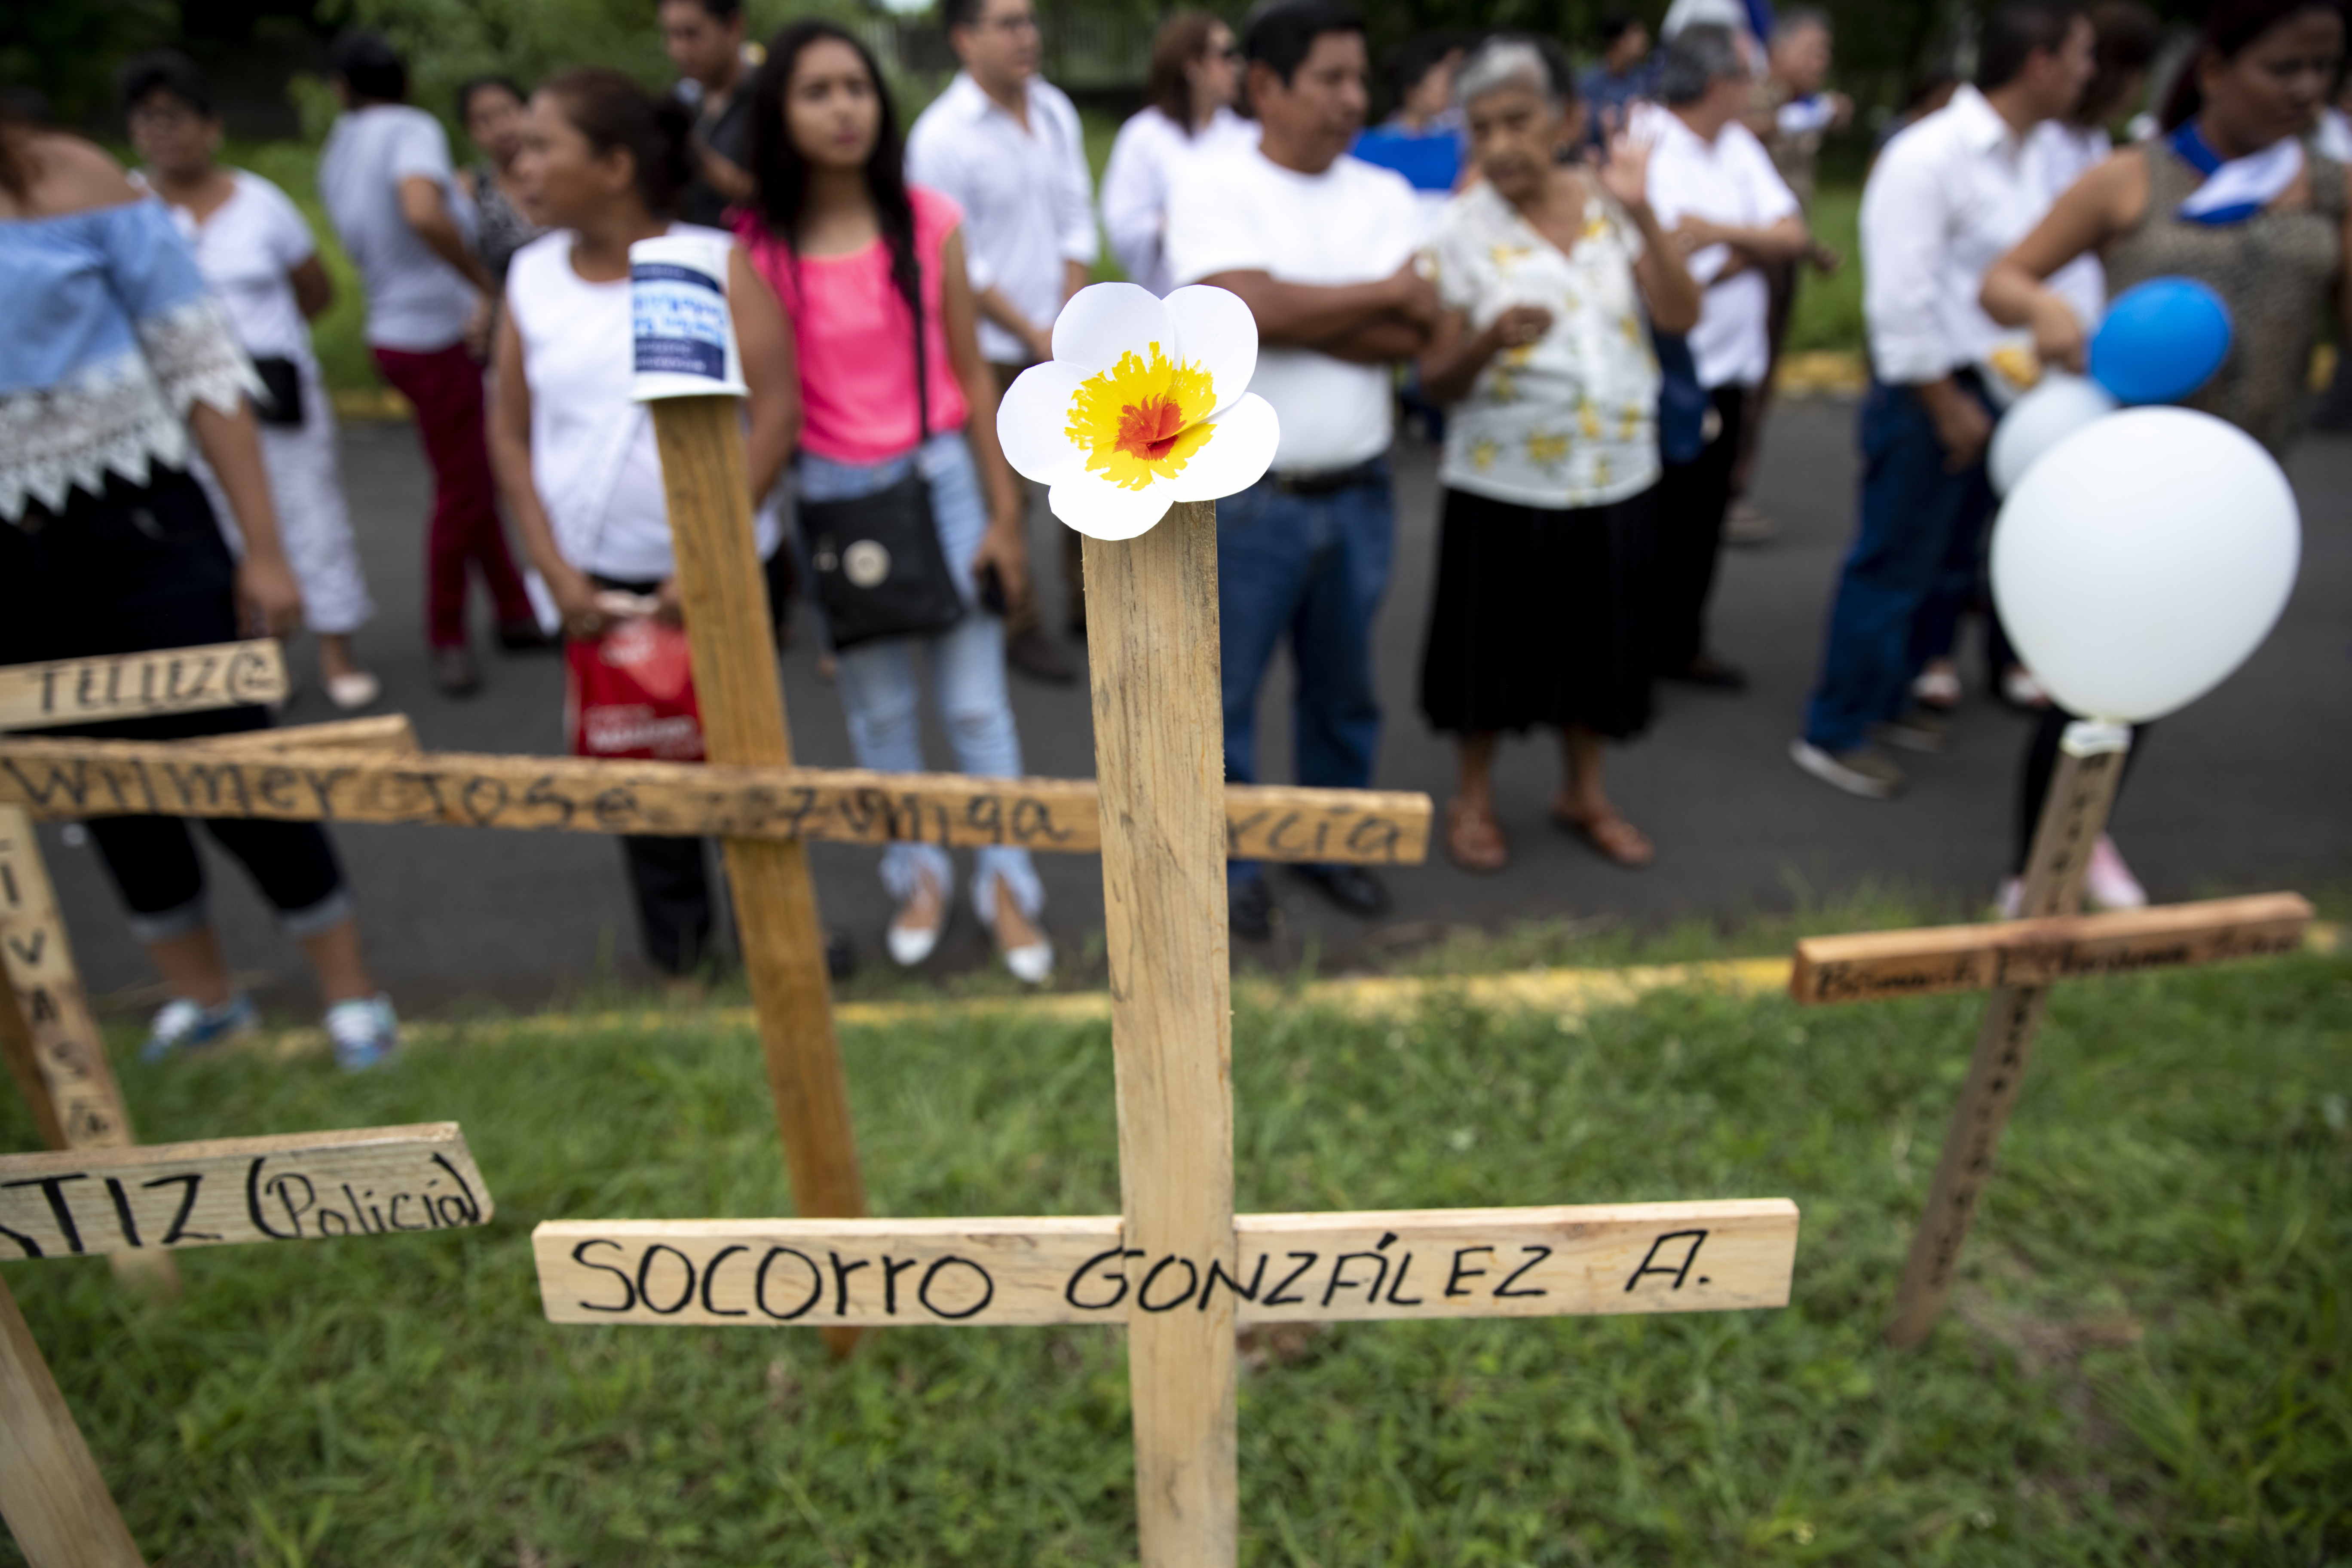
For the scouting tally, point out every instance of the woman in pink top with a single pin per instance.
(854, 252)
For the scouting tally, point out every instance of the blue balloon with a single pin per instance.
(2160, 341)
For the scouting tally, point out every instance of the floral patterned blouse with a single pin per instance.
(112, 338)
(1571, 419)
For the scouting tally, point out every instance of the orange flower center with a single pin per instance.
(1149, 430)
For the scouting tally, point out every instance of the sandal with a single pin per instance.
(1613, 837)
(1474, 837)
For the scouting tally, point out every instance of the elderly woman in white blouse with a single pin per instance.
(1550, 274)
(1188, 110)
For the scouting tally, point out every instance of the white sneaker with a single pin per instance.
(2011, 899)
(909, 944)
(1864, 771)
(354, 689)
(1032, 963)
(2108, 883)
(1938, 688)
(2019, 689)
(364, 1032)
(185, 1025)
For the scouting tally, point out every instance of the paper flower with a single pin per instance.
(1144, 402)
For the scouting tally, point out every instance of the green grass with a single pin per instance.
(1829, 310)
(2148, 1357)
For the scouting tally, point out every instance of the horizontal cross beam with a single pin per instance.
(302, 1186)
(76, 778)
(140, 685)
(1877, 965)
(1311, 1267)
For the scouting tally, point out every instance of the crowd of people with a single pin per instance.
(1581, 281)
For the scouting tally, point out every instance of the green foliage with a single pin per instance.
(447, 41)
(2146, 1359)
(69, 52)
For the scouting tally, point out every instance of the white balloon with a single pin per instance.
(2143, 559)
(2058, 406)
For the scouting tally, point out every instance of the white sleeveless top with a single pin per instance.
(592, 458)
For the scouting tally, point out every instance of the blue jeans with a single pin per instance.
(880, 680)
(1314, 567)
(1912, 567)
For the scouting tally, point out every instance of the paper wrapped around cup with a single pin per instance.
(685, 336)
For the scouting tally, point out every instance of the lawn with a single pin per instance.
(1829, 310)
(2149, 1357)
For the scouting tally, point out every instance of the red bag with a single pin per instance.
(631, 694)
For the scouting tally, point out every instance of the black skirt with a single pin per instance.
(1537, 619)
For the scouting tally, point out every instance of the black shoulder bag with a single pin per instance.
(880, 571)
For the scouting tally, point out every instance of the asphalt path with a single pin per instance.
(2245, 791)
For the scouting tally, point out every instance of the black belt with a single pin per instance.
(1330, 481)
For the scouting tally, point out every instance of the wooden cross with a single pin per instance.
(1176, 1268)
(2018, 962)
(151, 1202)
(48, 1035)
(750, 794)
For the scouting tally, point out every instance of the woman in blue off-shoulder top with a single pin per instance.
(116, 367)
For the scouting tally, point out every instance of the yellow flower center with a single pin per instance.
(1143, 418)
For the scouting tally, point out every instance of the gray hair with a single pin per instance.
(1505, 62)
(1698, 58)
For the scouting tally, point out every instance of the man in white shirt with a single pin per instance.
(1319, 245)
(1007, 147)
(1715, 189)
(388, 186)
(1947, 197)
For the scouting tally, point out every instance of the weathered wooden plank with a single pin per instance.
(1160, 752)
(729, 627)
(76, 778)
(56, 1502)
(2073, 814)
(140, 685)
(1395, 1264)
(1877, 965)
(56, 1053)
(302, 1186)
(388, 732)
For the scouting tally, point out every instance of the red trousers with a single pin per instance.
(446, 388)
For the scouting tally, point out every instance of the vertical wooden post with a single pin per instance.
(55, 1501)
(733, 639)
(2073, 814)
(1160, 759)
(51, 1042)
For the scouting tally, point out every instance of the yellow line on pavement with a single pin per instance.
(1564, 991)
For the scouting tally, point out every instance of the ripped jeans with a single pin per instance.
(880, 680)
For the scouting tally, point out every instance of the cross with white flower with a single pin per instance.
(1144, 414)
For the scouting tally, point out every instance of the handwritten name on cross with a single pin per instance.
(150, 1201)
(1177, 1269)
(48, 1035)
(2018, 962)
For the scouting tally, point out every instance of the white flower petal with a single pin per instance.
(1104, 320)
(1216, 330)
(1236, 458)
(1100, 510)
(1033, 419)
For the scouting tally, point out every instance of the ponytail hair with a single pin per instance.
(615, 114)
(780, 173)
(2230, 27)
